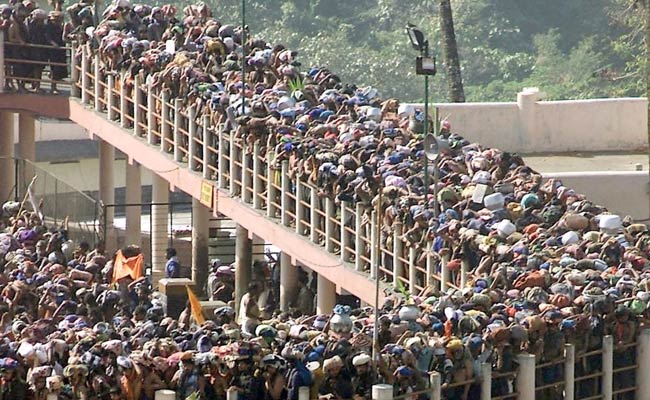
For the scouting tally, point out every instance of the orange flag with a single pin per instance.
(197, 312)
(128, 267)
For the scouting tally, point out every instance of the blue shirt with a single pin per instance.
(173, 268)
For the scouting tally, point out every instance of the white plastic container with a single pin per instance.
(494, 201)
(610, 223)
(570, 237)
(405, 110)
(506, 228)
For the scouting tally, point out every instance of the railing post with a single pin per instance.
(412, 270)
(359, 247)
(608, 367)
(345, 238)
(430, 267)
(232, 394)
(246, 177)
(123, 101)
(98, 84)
(3, 69)
(382, 392)
(137, 102)
(569, 371)
(643, 365)
(526, 377)
(192, 164)
(270, 189)
(464, 270)
(221, 159)
(178, 154)
(257, 182)
(74, 71)
(435, 383)
(374, 240)
(398, 248)
(300, 208)
(151, 120)
(208, 139)
(314, 215)
(444, 274)
(330, 214)
(85, 82)
(303, 393)
(110, 99)
(486, 381)
(164, 121)
(233, 167)
(284, 193)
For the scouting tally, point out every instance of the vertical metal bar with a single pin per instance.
(165, 123)
(98, 84)
(110, 97)
(208, 136)
(74, 72)
(329, 224)
(257, 182)
(314, 220)
(221, 159)
(569, 371)
(486, 381)
(284, 197)
(413, 276)
(124, 104)
(270, 190)
(359, 245)
(233, 167)
(374, 247)
(151, 120)
(84, 75)
(178, 154)
(3, 69)
(300, 208)
(345, 254)
(137, 101)
(246, 176)
(191, 133)
(398, 247)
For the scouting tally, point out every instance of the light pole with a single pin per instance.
(243, 57)
(424, 65)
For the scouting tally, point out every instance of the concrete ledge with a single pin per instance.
(622, 192)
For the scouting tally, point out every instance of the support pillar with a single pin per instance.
(243, 261)
(27, 144)
(325, 296)
(159, 226)
(200, 236)
(569, 371)
(7, 173)
(107, 188)
(608, 368)
(133, 197)
(288, 281)
(526, 377)
(643, 364)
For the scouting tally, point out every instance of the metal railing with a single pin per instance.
(247, 173)
(60, 203)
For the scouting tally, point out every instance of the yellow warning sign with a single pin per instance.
(207, 191)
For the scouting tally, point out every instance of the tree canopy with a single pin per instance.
(570, 49)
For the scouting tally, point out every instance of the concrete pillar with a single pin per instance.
(288, 281)
(27, 144)
(107, 181)
(374, 240)
(608, 367)
(133, 196)
(243, 261)
(200, 236)
(486, 381)
(382, 392)
(569, 372)
(526, 102)
(526, 377)
(258, 248)
(7, 172)
(413, 272)
(159, 226)
(359, 246)
(435, 383)
(398, 250)
(325, 296)
(643, 364)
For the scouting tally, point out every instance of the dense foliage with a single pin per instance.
(570, 49)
